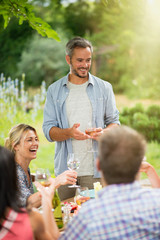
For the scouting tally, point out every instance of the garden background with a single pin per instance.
(125, 35)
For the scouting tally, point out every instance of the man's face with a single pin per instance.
(80, 62)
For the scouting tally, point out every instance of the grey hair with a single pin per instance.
(75, 43)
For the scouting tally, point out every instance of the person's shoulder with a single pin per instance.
(57, 83)
(101, 82)
(154, 192)
(151, 195)
(89, 207)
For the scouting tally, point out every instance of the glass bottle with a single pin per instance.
(56, 202)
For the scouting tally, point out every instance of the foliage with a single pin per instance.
(43, 59)
(128, 48)
(153, 155)
(125, 35)
(146, 121)
(22, 10)
(12, 43)
(80, 18)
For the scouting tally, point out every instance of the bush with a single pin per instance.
(145, 121)
(154, 111)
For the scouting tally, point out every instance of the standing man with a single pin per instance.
(72, 103)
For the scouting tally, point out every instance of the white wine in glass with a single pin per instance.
(91, 129)
(73, 164)
(82, 195)
(42, 175)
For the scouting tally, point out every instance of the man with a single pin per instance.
(123, 210)
(72, 103)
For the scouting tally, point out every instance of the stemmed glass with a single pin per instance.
(91, 129)
(42, 175)
(67, 210)
(82, 195)
(73, 164)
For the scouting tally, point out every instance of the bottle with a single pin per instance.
(57, 210)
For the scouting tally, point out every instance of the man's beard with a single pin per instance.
(77, 74)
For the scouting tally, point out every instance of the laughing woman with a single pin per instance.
(23, 142)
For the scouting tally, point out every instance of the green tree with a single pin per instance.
(22, 10)
(12, 43)
(128, 48)
(43, 59)
(80, 18)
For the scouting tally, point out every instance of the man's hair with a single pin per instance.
(77, 42)
(121, 151)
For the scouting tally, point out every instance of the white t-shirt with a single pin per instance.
(79, 110)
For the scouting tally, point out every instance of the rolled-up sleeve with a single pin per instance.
(49, 115)
(111, 111)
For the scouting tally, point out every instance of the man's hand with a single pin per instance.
(98, 132)
(67, 177)
(77, 134)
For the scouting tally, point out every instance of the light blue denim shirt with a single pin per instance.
(104, 112)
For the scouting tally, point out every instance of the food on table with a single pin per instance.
(73, 205)
(81, 199)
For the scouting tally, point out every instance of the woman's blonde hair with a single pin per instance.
(15, 135)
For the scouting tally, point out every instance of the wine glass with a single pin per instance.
(72, 164)
(42, 175)
(90, 130)
(82, 195)
(66, 210)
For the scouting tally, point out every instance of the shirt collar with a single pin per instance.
(19, 167)
(65, 80)
(90, 79)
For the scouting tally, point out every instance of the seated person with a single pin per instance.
(17, 223)
(123, 210)
(151, 173)
(23, 142)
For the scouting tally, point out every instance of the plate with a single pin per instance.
(91, 193)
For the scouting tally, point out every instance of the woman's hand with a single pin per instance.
(151, 173)
(145, 167)
(47, 193)
(47, 196)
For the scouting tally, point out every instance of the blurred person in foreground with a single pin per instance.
(18, 223)
(123, 210)
(75, 102)
(23, 142)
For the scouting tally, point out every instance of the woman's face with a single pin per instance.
(28, 146)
